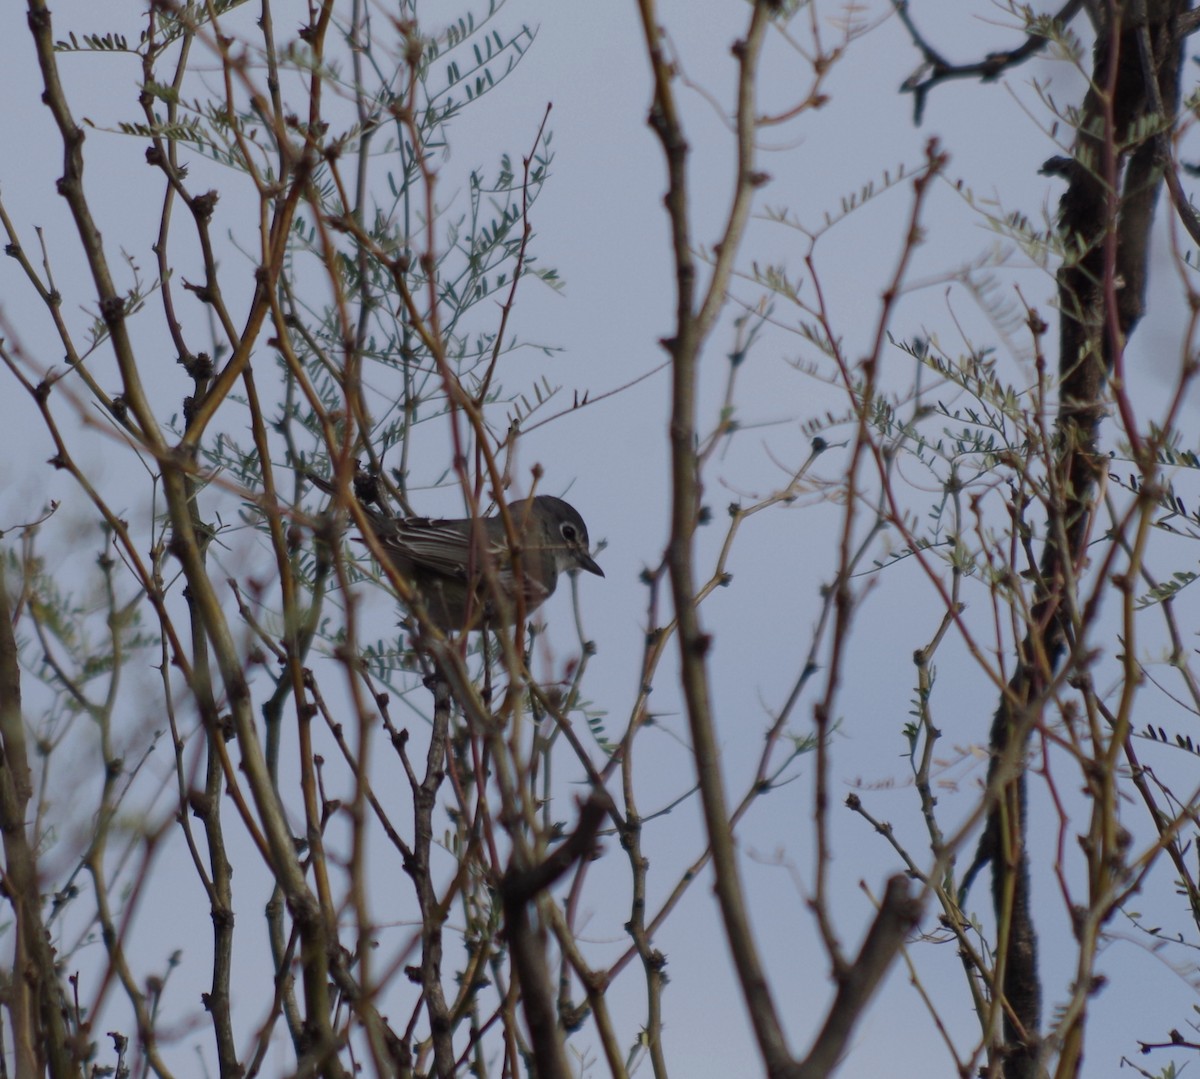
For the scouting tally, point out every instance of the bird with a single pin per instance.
(450, 562)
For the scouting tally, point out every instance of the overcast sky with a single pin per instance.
(600, 222)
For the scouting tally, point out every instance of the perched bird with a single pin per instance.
(448, 561)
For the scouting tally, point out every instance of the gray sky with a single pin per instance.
(600, 221)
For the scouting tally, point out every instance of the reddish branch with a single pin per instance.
(1105, 218)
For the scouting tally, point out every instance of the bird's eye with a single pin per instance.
(569, 533)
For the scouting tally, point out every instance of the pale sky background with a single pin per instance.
(600, 222)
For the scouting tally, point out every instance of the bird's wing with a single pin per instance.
(444, 548)
(441, 547)
(430, 546)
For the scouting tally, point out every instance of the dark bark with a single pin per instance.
(1105, 219)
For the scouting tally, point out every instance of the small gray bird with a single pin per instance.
(445, 559)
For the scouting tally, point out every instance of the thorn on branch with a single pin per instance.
(112, 310)
(202, 292)
(203, 205)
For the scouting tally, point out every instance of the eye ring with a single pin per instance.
(568, 532)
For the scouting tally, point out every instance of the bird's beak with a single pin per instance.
(585, 561)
